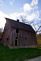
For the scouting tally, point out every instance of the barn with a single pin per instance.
(18, 34)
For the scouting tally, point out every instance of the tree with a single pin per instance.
(36, 24)
(38, 29)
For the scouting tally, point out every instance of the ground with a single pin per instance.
(34, 59)
(18, 54)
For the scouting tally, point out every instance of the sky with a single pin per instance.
(30, 10)
(10, 6)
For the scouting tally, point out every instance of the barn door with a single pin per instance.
(16, 40)
(13, 37)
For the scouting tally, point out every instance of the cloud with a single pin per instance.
(14, 15)
(27, 7)
(34, 2)
(2, 14)
(2, 19)
(30, 11)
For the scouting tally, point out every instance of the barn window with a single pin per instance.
(16, 41)
(16, 37)
(17, 30)
(0, 39)
(7, 38)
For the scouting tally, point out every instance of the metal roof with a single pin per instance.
(20, 25)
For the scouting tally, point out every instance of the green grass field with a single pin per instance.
(18, 54)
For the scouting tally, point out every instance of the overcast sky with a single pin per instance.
(29, 9)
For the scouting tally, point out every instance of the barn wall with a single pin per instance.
(6, 34)
(12, 38)
(26, 38)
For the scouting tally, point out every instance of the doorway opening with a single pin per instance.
(17, 31)
(16, 41)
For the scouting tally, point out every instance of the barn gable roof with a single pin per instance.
(19, 25)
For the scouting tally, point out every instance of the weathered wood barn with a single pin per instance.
(18, 34)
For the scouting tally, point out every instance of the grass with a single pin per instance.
(18, 54)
